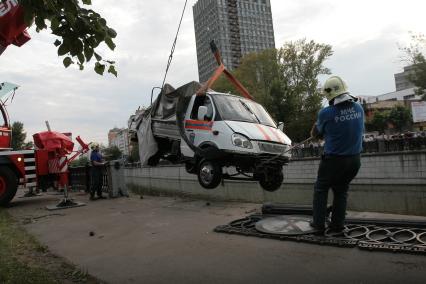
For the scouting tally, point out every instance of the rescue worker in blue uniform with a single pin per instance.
(341, 125)
(96, 172)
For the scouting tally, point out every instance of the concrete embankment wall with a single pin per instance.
(387, 182)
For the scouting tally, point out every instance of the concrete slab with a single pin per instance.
(170, 240)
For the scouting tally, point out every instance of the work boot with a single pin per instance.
(319, 229)
(335, 229)
(92, 197)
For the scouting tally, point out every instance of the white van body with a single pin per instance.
(213, 132)
(263, 138)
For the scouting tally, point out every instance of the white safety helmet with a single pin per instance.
(334, 87)
(336, 91)
(94, 145)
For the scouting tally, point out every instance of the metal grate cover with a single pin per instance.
(364, 236)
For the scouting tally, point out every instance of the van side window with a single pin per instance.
(202, 101)
(208, 103)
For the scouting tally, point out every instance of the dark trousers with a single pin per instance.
(335, 172)
(96, 176)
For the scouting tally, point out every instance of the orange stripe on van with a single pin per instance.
(267, 137)
(276, 134)
(198, 124)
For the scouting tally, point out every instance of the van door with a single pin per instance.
(199, 131)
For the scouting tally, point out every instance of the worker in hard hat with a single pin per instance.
(341, 125)
(96, 172)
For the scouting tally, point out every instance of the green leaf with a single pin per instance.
(112, 33)
(93, 15)
(100, 36)
(99, 68)
(92, 41)
(112, 70)
(102, 21)
(110, 43)
(54, 24)
(80, 57)
(88, 52)
(67, 61)
(40, 23)
(63, 49)
(70, 18)
(98, 57)
(79, 30)
(76, 47)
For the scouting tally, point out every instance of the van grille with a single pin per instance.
(272, 148)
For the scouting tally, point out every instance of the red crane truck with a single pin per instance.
(36, 167)
(29, 168)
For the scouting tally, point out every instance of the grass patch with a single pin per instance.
(14, 243)
(24, 260)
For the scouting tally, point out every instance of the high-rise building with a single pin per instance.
(238, 27)
(402, 81)
(120, 138)
(112, 134)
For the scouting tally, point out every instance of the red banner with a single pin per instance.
(12, 25)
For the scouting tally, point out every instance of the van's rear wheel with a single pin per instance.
(209, 174)
(272, 180)
(8, 185)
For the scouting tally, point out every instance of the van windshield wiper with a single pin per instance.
(249, 110)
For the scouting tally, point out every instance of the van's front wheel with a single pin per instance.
(209, 174)
(271, 180)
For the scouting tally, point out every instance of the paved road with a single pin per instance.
(167, 240)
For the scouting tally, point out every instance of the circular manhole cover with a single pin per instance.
(285, 225)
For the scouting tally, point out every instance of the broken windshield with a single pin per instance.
(240, 109)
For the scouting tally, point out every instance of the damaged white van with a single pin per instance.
(217, 136)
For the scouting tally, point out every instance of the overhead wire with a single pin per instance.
(169, 62)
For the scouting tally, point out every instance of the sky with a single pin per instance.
(365, 36)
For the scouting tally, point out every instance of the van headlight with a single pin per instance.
(241, 141)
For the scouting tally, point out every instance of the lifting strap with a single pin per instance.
(222, 69)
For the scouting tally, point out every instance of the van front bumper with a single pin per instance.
(254, 160)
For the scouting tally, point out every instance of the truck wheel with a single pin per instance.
(271, 180)
(209, 174)
(8, 185)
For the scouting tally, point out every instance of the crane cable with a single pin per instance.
(169, 62)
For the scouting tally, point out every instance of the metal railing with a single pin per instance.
(80, 178)
(376, 146)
